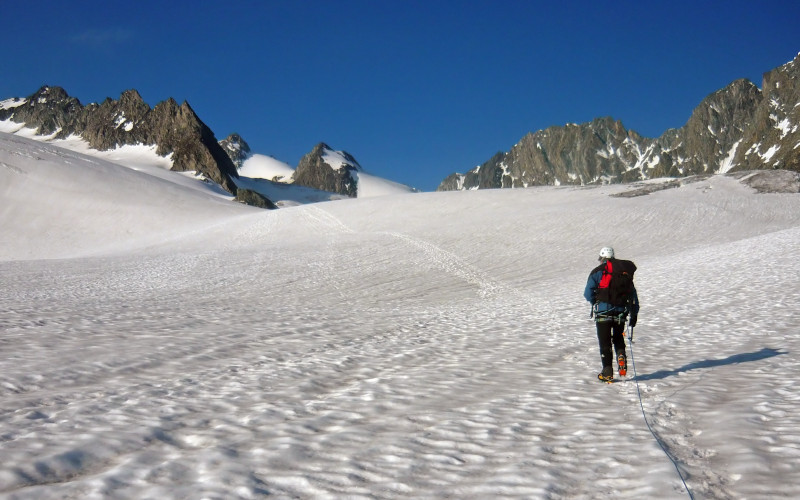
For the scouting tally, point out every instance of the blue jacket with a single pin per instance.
(590, 293)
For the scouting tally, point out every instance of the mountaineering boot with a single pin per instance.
(622, 364)
(607, 375)
(605, 378)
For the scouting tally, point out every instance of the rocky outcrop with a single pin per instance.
(763, 181)
(713, 132)
(254, 198)
(236, 148)
(174, 129)
(736, 128)
(49, 110)
(771, 181)
(773, 140)
(328, 170)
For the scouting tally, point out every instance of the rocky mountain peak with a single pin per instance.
(733, 103)
(329, 170)
(781, 87)
(131, 97)
(787, 74)
(48, 110)
(174, 130)
(738, 127)
(236, 148)
(49, 95)
(336, 159)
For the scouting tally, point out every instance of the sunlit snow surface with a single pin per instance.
(257, 169)
(158, 341)
(263, 174)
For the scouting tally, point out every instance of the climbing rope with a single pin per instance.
(641, 405)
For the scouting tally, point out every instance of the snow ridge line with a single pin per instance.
(451, 263)
(12, 168)
(325, 218)
(444, 259)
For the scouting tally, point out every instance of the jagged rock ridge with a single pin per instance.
(174, 129)
(736, 128)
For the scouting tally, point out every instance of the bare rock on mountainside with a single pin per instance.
(254, 199)
(236, 148)
(328, 170)
(48, 110)
(172, 128)
(771, 181)
(733, 129)
(763, 181)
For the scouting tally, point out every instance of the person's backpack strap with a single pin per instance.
(616, 284)
(605, 280)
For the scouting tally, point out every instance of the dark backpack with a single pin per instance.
(616, 284)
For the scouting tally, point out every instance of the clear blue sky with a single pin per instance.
(415, 90)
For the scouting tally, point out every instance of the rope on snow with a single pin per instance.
(641, 405)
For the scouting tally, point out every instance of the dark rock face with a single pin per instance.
(704, 144)
(236, 148)
(736, 128)
(328, 170)
(773, 140)
(763, 181)
(172, 128)
(252, 198)
(49, 110)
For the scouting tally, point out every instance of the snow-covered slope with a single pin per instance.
(371, 185)
(57, 203)
(263, 174)
(420, 346)
(259, 168)
(265, 167)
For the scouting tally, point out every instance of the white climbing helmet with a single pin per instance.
(606, 253)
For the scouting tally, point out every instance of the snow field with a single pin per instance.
(417, 346)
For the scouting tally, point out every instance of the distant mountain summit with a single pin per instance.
(236, 148)
(328, 170)
(736, 128)
(177, 133)
(174, 129)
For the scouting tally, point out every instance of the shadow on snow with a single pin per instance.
(764, 353)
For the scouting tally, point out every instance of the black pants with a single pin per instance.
(610, 333)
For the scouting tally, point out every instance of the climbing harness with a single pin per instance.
(618, 316)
